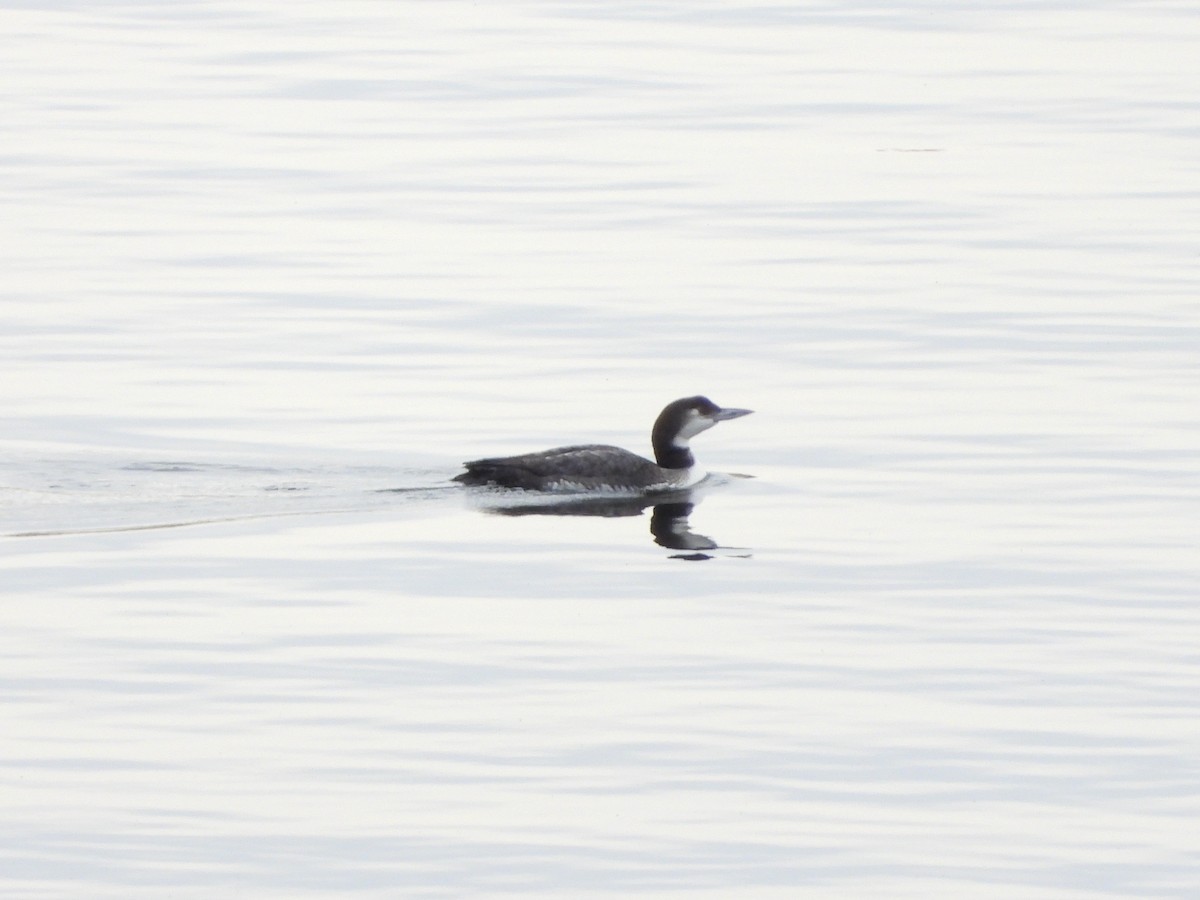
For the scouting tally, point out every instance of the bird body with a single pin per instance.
(604, 468)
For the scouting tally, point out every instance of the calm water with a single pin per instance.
(273, 270)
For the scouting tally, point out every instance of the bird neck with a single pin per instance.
(670, 455)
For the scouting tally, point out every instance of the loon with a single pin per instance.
(599, 467)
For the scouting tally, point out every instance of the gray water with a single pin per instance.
(273, 270)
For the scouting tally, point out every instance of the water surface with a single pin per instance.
(273, 271)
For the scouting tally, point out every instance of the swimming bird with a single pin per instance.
(599, 467)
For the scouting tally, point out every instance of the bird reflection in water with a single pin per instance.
(668, 519)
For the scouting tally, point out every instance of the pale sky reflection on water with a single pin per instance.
(273, 271)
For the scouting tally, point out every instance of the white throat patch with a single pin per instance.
(695, 424)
